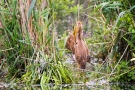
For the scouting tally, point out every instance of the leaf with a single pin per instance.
(129, 42)
(118, 19)
(31, 7)
(132, 8)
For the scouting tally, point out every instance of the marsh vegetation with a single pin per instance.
(33, 34)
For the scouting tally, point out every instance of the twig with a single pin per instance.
(6, 49)
(78, 8)
(104, 76)
(120, 59)
(125, 72)
(100, 43)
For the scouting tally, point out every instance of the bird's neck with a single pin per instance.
(80, 34)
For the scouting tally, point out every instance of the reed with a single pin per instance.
(30, 42)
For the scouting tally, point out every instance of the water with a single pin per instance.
(51, 86)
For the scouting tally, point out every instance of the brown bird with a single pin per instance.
(70, 43)
(77, 46)
(81, 50)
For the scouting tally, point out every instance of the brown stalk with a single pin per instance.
(27, 23)
(23, 18)
(30, 29)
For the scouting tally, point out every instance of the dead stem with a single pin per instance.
(119, 59)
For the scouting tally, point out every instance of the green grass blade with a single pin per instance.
(31, 7)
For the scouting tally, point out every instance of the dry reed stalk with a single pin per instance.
(23, 18)
(1, 26)
(25, 22)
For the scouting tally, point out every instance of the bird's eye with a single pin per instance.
(69, 40)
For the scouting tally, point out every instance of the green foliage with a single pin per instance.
(31, 8)
(57, 74)
(13, 36)
(53, 69)
(29, 61)
(64, 8)
(124, 73)
(119, 20)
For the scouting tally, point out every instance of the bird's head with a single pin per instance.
(79, 24)
(78, 29)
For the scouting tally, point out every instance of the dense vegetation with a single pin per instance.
(33, 35)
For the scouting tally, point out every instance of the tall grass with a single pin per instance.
(30, 35)
(119, 20)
